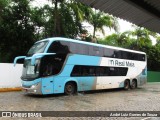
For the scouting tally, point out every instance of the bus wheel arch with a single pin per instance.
(70, 88)
(126, 84)
(134, 84)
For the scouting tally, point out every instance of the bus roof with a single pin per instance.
(88, 43)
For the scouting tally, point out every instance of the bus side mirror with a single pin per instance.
(39, 55)
(17, 58)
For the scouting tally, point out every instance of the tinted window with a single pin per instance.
(117, 54)
(77, 48)
(52, 65)
(66, 46)
(74, 48)
(37, 48)
(124, 54)
(59, 47)
(77, 71)
(88, 71)
(108, 52)
(141, 57)
(80, 70)
(83, 49)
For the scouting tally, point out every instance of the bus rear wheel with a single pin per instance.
(134, 84)
(70, 88)
(126, 84)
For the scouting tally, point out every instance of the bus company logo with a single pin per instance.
(121, 63)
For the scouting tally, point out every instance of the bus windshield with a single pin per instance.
(37, 48)
(31, 71)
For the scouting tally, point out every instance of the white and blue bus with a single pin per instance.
(61, 65)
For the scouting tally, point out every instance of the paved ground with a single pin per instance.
(146, 98)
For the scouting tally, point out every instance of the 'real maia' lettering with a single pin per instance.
(121, 63)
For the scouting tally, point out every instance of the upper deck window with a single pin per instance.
(59, 47)
(37, 48)
(64, 47)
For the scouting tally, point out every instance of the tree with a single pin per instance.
(67, 17)
(17, 31)
(157, 41)
(43, 21)
(99, 20)
(142, 38)
(118, 39)
(3, 4)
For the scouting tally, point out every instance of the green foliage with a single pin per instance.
(158, 41)
(118, 40)
(99, 20)
(153, 56)
(17, 31)
(67, 17)
(43, 21)
(62, 19)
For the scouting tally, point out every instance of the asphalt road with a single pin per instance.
(145, 98)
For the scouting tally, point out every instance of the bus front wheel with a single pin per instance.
(126, 84)
(70, 88)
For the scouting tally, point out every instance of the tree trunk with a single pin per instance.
(94, 31)
(58, 29)
(55, 34)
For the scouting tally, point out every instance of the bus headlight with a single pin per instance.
(34, 86)
(35, 90)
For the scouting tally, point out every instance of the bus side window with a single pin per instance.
(59, 47)
(117, 54)
(108, 52)
(85, 71)
(111, 71)
(141, 57)
(100, 71)
(74, 48)
(76, 71)
(124, 54)
(101, 52)
(92, 71)
(66, 46)
(82, 49)
(91, 50)
(106, 71)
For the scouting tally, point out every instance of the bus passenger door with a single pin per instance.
(47, 85)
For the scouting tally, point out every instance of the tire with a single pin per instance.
(126, 84)
(70, 88)
(134, 84)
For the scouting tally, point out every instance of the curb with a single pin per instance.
(10, 89)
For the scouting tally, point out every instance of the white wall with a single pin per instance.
(10, 75)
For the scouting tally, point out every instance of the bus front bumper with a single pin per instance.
(33, 89)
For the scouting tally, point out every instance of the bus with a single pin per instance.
(62, 65)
